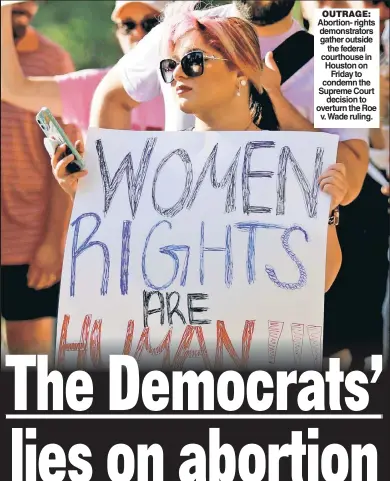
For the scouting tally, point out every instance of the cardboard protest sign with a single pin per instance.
(192, 250)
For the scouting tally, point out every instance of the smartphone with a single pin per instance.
(53, 130)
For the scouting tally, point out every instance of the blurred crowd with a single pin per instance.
(36, 205)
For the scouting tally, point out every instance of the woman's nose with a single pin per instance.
(178, 72)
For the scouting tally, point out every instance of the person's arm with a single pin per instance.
(111, 106)
(135, 79)
(333, 257)
(46, 264)
(333, 181)
(377, 136)
(377, 139)
(354, 153)
(60, 208)
(28, 93)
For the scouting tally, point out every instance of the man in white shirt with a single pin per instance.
(136, 78)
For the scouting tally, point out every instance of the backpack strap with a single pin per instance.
(294, 53)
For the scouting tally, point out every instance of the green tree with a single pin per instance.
(84, 28)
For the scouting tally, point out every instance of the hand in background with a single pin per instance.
(45, 268)
(271, 78)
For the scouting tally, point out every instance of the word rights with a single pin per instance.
(197, 250)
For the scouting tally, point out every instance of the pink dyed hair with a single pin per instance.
(234, 38)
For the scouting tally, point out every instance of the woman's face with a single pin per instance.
(216, 86)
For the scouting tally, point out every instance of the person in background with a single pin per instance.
(213, 68)
(34, 210)
(354, 322)
(70, 95)
(135, 79)
(308, 10)
(377, 136)
(382, 5)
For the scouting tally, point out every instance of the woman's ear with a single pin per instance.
(242, 82)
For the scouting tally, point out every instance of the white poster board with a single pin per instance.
(197, 251)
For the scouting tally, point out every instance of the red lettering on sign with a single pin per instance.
(81, 346)
(183, 352)
(223, 341)
(164, 346)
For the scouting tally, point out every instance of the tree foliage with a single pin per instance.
(84, 28)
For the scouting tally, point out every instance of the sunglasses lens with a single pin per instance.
(167, 67)
(149, 24)
(127, 27)
(192, 64)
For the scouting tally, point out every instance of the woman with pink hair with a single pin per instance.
(214, 68)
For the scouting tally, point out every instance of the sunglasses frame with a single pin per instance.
(126, 30)
(204, 57)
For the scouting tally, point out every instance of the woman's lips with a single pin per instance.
(182, 89)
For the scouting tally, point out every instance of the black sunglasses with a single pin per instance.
(192, 64)
(128, 25)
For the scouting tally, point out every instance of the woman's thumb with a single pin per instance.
(80, 146)
(270, 62)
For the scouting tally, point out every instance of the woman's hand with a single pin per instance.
(68, 182)
(270, 76)
(334, 182)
